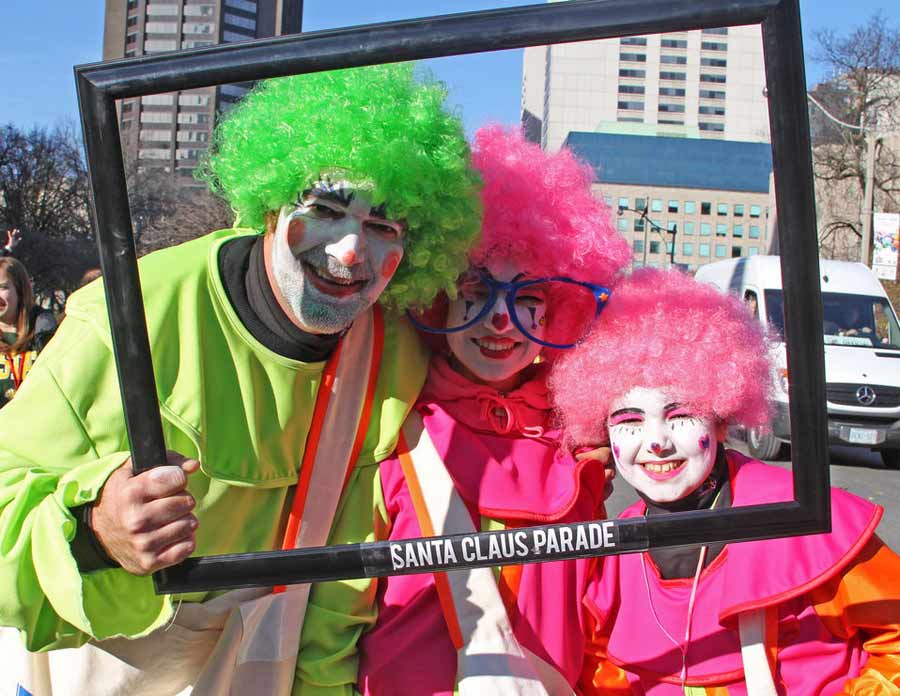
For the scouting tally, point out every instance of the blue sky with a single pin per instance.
(40, 41)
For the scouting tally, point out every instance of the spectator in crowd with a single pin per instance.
(25, 327)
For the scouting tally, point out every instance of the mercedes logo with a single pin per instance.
(865, 396)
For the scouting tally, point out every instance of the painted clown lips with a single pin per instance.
(495, 347)
(330, 277)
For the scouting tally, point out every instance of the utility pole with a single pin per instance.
(865, 252)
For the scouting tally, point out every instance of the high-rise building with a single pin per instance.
(701, 84)
(171, 131)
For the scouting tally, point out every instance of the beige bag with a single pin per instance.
(244, 641)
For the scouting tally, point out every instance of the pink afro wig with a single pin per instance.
(539, 211)
(665, 330)
(541, 217)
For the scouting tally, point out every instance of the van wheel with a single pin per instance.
(891, 458)
(764, 445)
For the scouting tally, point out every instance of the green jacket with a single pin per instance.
(225, 399)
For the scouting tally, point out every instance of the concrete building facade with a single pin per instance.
(693, 203)
(703, 84)
(171, 131)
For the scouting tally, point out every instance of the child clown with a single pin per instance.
(481, 436)
(670, 364)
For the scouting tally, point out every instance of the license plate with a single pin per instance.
(861, 436)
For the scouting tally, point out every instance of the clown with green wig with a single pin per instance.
(284, 370)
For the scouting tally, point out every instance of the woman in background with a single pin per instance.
(24, 327)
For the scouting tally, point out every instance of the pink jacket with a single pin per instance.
(776, 573)
(517, 479)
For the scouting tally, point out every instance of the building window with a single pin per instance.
(739, 210)
(193, 100)
(671, 226)
(158, 45)
(715, 127)
(632, 72)
(623, 203)
(754, 231)
(671, 92)
(196, 43)
(687, 249)
(239, 21)
(673, 206)
(673, 60)
(158, 135)
(752, 251)
(687, 227)
(634, 41)
(722, 209)
(711, 94)
(638, 245)
(718, 31)
(629, 119)
(755, 211)
(656, 205)
(720, 79)
(132, 22)
(639, 224)
(690, 208)
(713, 46)
(245, 5)
(711, 110)
(640, 203)
(156, 117)
(673, 76)
(633, 57)
(669, 122)
(654, 247)
(153, 154)
(673, 43)
(713, 62)
(671, 108)
(155, 9)
(631, 89)
(704, 250)
(622, 224)
(736, 252)
(199, 10)
(738, 231)
(234, 37)
(631, 105)
(721, 229)
(160, 28)
(132, 4)
(721, 250)
(705, 208)
(158, 99)
(198, 28)
(705, 229)
(130, 39)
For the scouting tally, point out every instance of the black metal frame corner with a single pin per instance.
(99, 85)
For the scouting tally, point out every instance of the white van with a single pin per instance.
(862, 352)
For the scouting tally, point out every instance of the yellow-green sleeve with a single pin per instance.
(49, 464)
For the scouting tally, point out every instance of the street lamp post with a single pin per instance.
(642, 215)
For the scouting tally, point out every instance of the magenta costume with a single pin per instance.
(777, 574)
(507, 468)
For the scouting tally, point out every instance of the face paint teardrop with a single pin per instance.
(531, 311)
(468, 307)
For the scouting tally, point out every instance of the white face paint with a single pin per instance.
(333, 255)
(661, 448)
(493, 350)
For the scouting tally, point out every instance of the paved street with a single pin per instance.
(856, 470)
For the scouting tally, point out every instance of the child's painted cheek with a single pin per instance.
(295, 233)
(615, 449)
(704, 442)
(389, 265)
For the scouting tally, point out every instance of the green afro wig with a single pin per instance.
(378, 124)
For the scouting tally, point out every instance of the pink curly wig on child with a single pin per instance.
(665, 330)
(540, 216)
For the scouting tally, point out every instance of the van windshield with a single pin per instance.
(865, 321)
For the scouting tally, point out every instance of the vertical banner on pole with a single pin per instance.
(886, 244)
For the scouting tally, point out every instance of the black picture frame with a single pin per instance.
(100, 85)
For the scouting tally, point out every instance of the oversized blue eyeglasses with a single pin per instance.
(574, 306)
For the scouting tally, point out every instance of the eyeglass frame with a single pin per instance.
(601, 297)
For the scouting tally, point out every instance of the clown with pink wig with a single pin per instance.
(479, 451)
(668, 367)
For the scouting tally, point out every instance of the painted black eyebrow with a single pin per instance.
(673, 406)
(637, 411)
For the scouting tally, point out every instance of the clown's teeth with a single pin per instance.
(325, 275)
(488, 344)
(662, 467)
